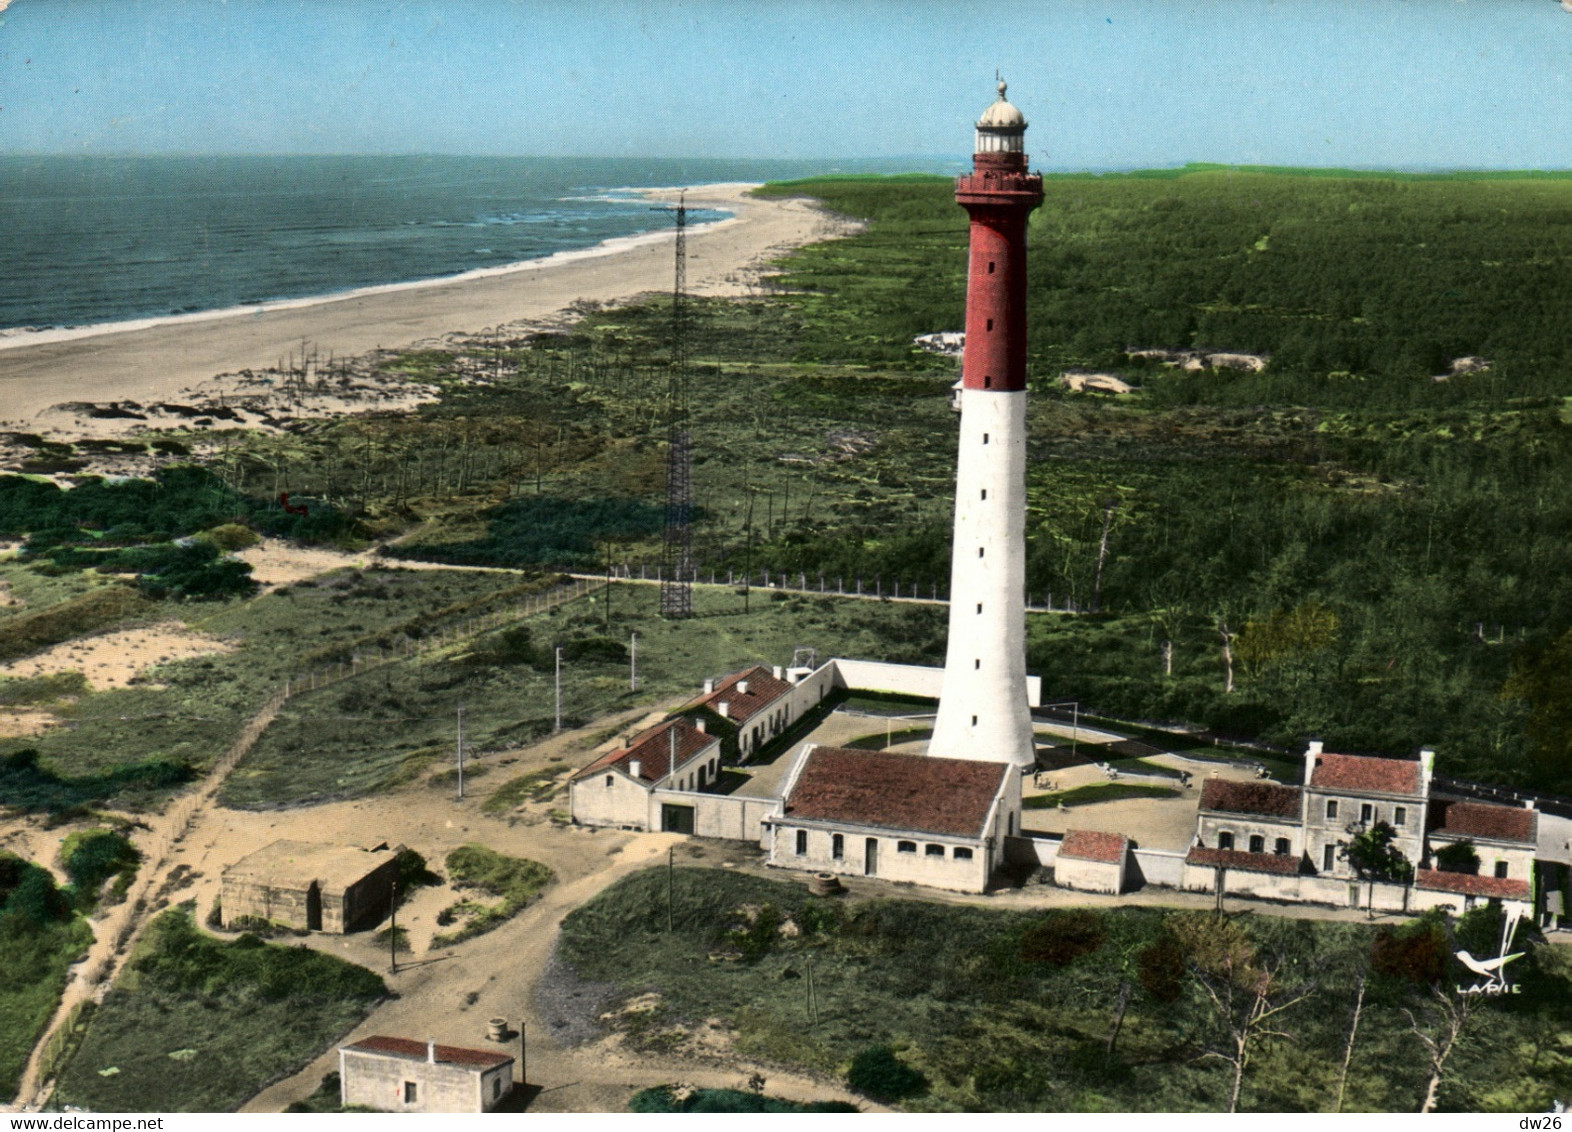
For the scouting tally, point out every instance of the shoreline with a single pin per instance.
(22, 337)
(164, 359)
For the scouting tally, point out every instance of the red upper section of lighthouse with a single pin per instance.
(999, 193)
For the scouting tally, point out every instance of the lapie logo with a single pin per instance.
(1495, 981)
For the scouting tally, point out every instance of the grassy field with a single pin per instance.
(1014, 1010)
(1097, 792)
(40, 937)
(392, 723)
(513, 881)
(199, 1026)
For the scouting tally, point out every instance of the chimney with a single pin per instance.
(703, 725)
(1316, 747)
(780, 673)
(635, 767)
(723, 709)
(1427, 768)
(742, 687)
(709, 686)
(1312, 756)
(431, 1051)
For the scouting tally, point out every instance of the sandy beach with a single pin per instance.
(161, 362)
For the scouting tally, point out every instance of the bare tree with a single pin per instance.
(1348, 1047)
(1440, 1036)
(1228, 652)
(1246, 1002)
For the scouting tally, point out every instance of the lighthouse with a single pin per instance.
(983, 709)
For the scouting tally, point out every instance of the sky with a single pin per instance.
(1105, 84)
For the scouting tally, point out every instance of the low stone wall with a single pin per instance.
(1041, 851)
(1157, 866)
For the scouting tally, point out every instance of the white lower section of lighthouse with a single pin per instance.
(983, 708)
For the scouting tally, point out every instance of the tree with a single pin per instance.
(1375, 858)
(1458, 857)
(1247, 992)
(1439, 1032)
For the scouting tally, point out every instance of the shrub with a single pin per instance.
(1161, 968)
(1060, 938)
(1413, 953)
(879, 1073)
(1458, 857)
(92, 857)
(231, 537)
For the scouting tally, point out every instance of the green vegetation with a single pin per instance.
(91, 857)
(879, 1072)
(196, 1025)
(101, 608)
(1074, 1009)
(668, 1098)
(1096, 792)
(19, 690)
(516, 881)
(40, 938)
(536, 786)
(27, 785)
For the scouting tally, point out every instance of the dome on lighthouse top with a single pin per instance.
(1002, 127)
(1002, 114)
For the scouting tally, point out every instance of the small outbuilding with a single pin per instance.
(930, 821)
(310, 886)
(1092, 861)
(400, 1075)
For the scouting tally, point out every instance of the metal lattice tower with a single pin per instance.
(676, 584)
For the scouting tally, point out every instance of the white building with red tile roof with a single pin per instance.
(1344, 795)
(913, 818)
(620, 788)
(1093, 861)
(401, 1075)
(757, 701)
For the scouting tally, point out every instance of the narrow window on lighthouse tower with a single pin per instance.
(990, 267)
(985, 493)
(987, 383)
(977, 664)
(974, 721)
(985, 438)
(979, 552)
(990, 324)
(979, 607)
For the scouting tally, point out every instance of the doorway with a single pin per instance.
(870, 857)
(314, 908)
(676, 819)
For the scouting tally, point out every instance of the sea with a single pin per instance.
(94, 240)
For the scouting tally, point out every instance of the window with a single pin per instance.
(933, 851)
(1400, 816)
(837, 847)
(962, 853)
(979, 607)
(1257, 843)
(1328, 857)
(1366, 812)
(987, 383)
(1009, 824)
(410, 1092)
(990, 267)
(802, 842)
(985, 493)
(980, 552)
(1501, 870)
(906, 846)
(985, 438)
(977, 664)
(609, 780)
(1281, 848)
(1225, 840)
(1331, 808)
(496, 1087)
(990, 324)
(974, 721)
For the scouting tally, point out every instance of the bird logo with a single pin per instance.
(1492, 969)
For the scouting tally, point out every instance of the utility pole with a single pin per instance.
(671, 886)
(559, 688)
(633, 663)
(461, 752)
(393, 929)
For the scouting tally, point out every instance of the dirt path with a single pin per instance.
(117, 931)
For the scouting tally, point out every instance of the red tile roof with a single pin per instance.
(763, 690)
(1506, 888)
(1265, 798)
(1364, 774)
(1090, 845)
(1283, 864)
(916, 793)
(1484, 819)
(416, 1051)
(652, 748)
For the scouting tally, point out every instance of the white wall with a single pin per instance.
(1090, 876)
(1160, 866)
(918, 867)
(905, 679)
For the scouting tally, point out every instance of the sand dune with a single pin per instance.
(157, 362)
